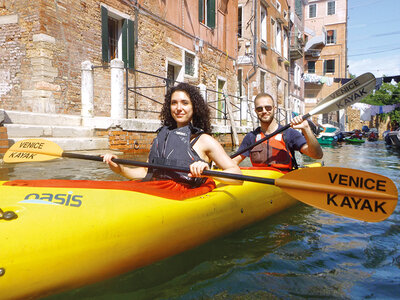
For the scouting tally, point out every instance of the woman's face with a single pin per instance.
(181, 108)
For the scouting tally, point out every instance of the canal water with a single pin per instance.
(301, 253)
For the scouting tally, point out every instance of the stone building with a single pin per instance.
(43, 45)
(263, 54)
(296, 54)
(325, 54)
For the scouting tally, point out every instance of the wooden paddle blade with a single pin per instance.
(32, 150)
(348, 94)
(352, 193)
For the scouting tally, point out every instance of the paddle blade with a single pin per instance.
(350, 93)
(32, 150)
(351, 193)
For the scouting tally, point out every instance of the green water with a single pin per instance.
(302, 253)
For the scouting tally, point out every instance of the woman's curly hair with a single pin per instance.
(201, 112)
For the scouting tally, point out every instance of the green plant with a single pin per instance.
(388, 94)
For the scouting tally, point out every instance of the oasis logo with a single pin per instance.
(61, 199)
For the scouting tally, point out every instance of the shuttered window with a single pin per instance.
(299, 9)
(331, 10)
(312, 10)
(329, 66)
(311, 67)
(117, 36)
(331, 37)
(207, 12)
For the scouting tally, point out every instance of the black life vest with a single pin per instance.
(172, 147)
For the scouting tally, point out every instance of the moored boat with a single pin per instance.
(329, 135)
(59, 235)
(392, 138)
(353, 140)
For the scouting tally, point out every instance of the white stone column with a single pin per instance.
(117, 89)
(203, 91)
(87, 90)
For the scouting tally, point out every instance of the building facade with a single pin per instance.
(325, 54)
(263, 54)
(44, 43)
(296, 48)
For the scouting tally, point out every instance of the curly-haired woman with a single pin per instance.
(183, 140)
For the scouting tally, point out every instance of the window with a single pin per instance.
(311, 67)
(113, 29)
(278, 40)
(299, 9)
(331, 8)
(117, 37)
(263, 22)
(240, 20)
(189, 64)
(285, 44)
(207, 12)
(297, 75)
(278, 5)
(221, 99)
(240, 82)
(329, 66)
(174, 72)
(331, 37)
(171, 74)
(312, 10)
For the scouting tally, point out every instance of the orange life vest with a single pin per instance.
(272, 153)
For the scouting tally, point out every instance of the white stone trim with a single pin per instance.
(9, 19)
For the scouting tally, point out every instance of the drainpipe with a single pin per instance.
(255, 41)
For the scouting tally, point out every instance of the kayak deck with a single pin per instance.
(56, 247)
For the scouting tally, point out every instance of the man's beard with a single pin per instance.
(267, 120)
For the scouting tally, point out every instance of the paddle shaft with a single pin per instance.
(173, 168)
(266, 138)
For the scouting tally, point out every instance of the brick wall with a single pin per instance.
(354, 122)
(3, 140)
(43, 44)
(132, 142)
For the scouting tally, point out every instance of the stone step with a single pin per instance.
(32, 130)
(75, 144)
(22, 117)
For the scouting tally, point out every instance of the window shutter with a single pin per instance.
(125, 42)
(131, 45)
(334, 36)
(299, 8)
(201, 9)
(211, 13)
(104, 34)
(325, 62)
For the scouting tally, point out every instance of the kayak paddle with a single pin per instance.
(351, 193)
(350, 93)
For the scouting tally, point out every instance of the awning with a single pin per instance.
(315, 42)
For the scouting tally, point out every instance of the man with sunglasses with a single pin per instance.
(278, 151)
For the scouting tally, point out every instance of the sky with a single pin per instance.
(373, 40)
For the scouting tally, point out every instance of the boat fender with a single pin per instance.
(8, 215)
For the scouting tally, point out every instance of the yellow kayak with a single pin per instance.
(58, 238)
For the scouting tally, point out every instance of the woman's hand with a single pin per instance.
(116, 168)
(197, 168)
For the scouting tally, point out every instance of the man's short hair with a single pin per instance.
(262, 95)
